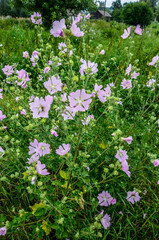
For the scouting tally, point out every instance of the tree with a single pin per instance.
(117, 9)
(151, 3)
(6, 9)
(116, 4)
(55, 9)
(137, 13)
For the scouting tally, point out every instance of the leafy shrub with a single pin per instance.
(137, 13)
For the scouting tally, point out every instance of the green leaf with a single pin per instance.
(46, 227)
(36, 206)
(63, 174)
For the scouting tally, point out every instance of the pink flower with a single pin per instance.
(113, 201)
(80, 100)
(23, 112)
(41, 107)
(144, 215)
(3, 231)
(33, 158)
(50, 62)
(151, 83)
(1, 152)
(25, 54)
(121, 155)
(62, 150)
(78, 18)
(106, 221)
(84, 66)
(105, 199)
(128, 70)
(134, 75)
(102, 52)
(8, 70)
(133, 197)
(138, 30)
(2, 116)
(40, 169)
(34, 58)
(22, 75)
(53, 84)
(1, 96)
(35, 53)
(53, 132)
(156, 162)
(64, 97)
(100, 93)
(69, 113)
(97, 88)
(39, 149)
(58, 27)
(33, 180)
(125, 167)
(158, 182)
(87, 168)
(107, 91)
(31, 98)
(36, 18)
(126, 84)
(88, 16)
(154, 60)
(76, 31)
(46, 70)
(62, 46)
(126, 33)
(128, 139)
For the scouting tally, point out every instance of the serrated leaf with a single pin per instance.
(46, 227)
(36, 206)
(63, 174)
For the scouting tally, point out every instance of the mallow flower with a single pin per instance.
(138, 30)
(41, 107)
(53, 85)
(41, 169)
(76, 30)
(91, 65)
(80, 100)
(133, 197)
(8, 70)
(3, 231)
(36, 18)
(58, 27)
(63, 149)
(126, 33)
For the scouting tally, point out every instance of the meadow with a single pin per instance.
(79, 130)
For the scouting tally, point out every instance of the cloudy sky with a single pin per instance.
(109, 2)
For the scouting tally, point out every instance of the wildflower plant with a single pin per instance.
(71, 139)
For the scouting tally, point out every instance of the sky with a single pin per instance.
(109, 2)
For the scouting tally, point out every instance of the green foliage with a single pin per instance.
(116, 4)
(7, 10)
(116, 14)
(54, 10)
(137, 13)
